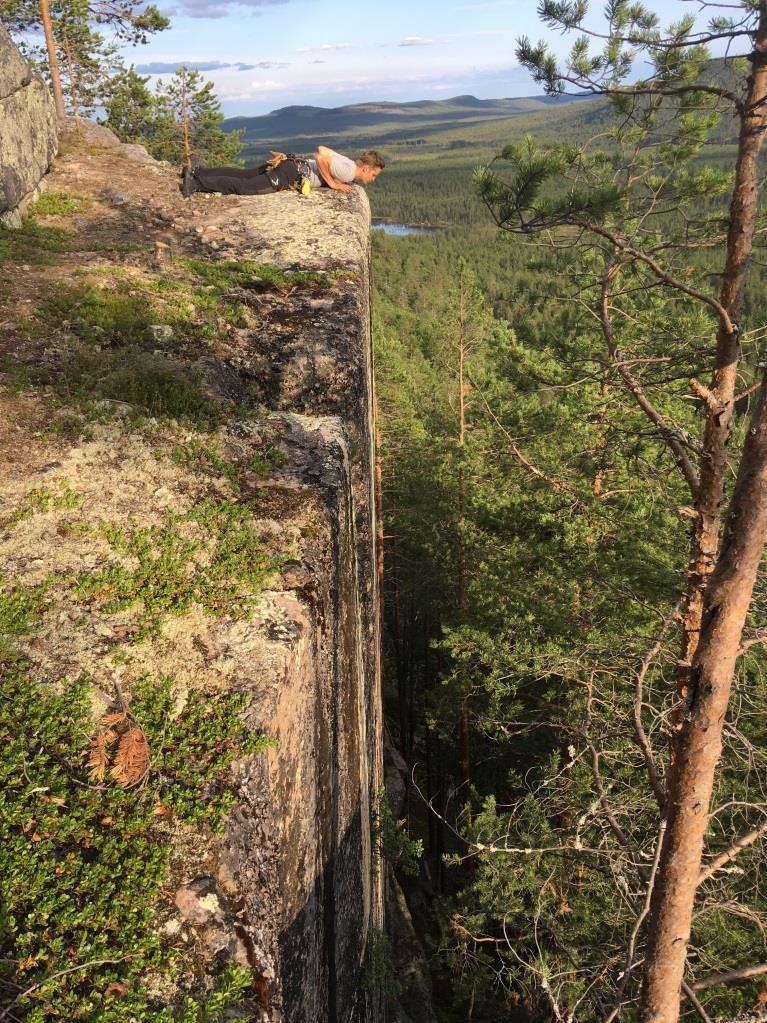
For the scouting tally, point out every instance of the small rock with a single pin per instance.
(161, 331)
(197, 903)
(295, 574)
(162, 252)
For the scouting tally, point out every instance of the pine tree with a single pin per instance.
(131, 108)
(88, 61)
(188, 122)
(79, 53)
(648, 209)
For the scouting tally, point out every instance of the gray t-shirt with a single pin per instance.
(341, 167)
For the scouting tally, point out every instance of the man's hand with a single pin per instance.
(340, 186)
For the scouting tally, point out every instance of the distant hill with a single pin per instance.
(418, 123)
(432, 126)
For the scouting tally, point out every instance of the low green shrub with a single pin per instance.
(59, 204)
(223, 572)
(81, 865)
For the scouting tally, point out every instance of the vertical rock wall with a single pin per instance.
(28, 134)
(302, 844)
(291, 888)
(315, 365)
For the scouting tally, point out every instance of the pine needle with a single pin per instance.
(131, 761)
(117, 717)
(98, 756)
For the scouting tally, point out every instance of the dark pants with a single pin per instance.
(248, 181)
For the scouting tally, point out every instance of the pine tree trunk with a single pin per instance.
(74, 91)
(464, 720)
(719, 590)
(185, 128)
(726, 604)
(713, 464)
(53, 62)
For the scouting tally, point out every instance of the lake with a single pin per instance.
(404, 229)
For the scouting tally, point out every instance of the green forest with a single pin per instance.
(544, 414)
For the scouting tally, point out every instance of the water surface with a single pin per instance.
(401, 229)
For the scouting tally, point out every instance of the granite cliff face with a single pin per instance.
(261, 307)
(28, 131)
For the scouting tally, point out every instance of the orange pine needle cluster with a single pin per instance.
(119, 746)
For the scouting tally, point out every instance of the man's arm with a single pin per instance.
(323, 156)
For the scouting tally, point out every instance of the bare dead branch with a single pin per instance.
(702, 392)
(621, 245)
(760, 636)
(637, 925)
(656, 784)
(690, 994)
(61, 973)
(557, 484)
(748, 391)
(669, 435)
(729, 854)
(741, 973)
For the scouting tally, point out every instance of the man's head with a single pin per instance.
(369, 166)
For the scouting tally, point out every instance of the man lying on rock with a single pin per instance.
(327, 169)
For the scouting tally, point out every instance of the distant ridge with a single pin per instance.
(384, 123)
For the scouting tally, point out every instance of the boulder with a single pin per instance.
(28, 132)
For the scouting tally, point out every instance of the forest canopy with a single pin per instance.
(573, 454)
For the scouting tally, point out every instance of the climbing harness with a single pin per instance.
(302, 184)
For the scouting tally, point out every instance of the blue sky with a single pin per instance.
(265, 54)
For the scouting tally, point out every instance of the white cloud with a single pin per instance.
(222, 8)
(416, 41)
(268, 86)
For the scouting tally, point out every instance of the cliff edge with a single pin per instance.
(188, 601)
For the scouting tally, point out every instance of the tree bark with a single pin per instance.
(53, 61)
(185, 125)
(721, 406)
(726, 602)
(464, 718)
(719, 587)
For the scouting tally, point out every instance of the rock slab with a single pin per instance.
(28, 132)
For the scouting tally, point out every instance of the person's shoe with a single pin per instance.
(189, 183)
